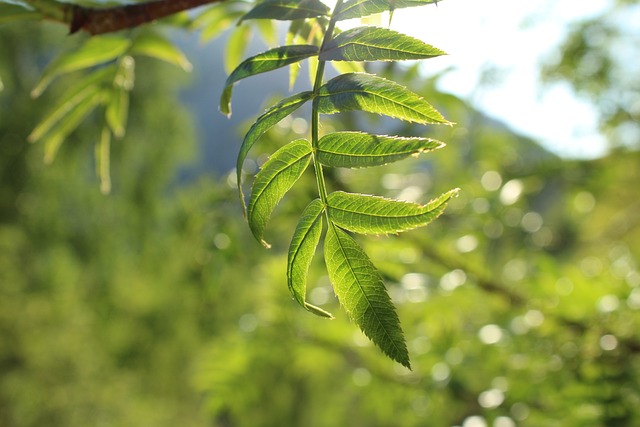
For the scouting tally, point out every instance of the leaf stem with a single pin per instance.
(315, 115)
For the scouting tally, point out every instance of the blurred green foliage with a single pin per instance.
(155, 306)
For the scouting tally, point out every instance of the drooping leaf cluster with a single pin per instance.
(356, 281)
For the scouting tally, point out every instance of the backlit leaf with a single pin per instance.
(376, 44)
(287, 10)
(236, 45)
(276, 177)
(360, 150)
(261, 63)
(362, 293)
(97, 50)
(365, 214)
(159, 47)
(301, 250)
(358, 8)
(373, 94)
(272, 116)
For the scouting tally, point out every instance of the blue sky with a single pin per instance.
(509, 37)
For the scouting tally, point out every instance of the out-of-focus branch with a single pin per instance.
(107, 20)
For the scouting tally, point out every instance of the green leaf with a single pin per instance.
(376, 44)
(361, 150)
(344, 67)
(373, 94)
(268, 31)
(361, 292)
(358, 8)
(236, 45)
(287, 10)
(103, 155)
(83, 89)
(272, 116)
(10, 13)
(365, 214)
(159, 47)
(215, 20)
(262, 63)
(97, 50)
(117, 108)
(69, 122)
(301, 250)
(276, 177)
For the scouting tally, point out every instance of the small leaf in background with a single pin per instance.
(83, 89)
(373, 94)
(272, 116)
(103, 156)
(287, 10)
(301, 251)
(157, 46)
(262, 63)
(268, 31)
(12, 13)
(345, 67)
(361, 150)
(362, 293)
(365, 214)
(360, 8)
(276, 177)
(96, 50)
(69, 122)
(376, 44)
(215, 20)
(117, 108)
(236, 45)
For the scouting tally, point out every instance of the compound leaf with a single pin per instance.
(362, 293)
(301, 250)
(272, 116)
(261, 63)
(373, 94)
(359, 8)
(361, 150)
(287, 10)
(376, 44)
(365, 214)
(276, 177)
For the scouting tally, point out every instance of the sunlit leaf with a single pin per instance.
(236, 45)
(360, 150)
(376, 44)
(272, 116)
(358, 8)
(373, 94)
(365, 214)
(287, 10)
(275, 178)
(268, 31)
(345, 67)
(156, 46)
(97, 50)
(362, 293)
(83, 89)
(301, 250)
(262, 63)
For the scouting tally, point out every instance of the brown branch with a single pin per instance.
(107, 20)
